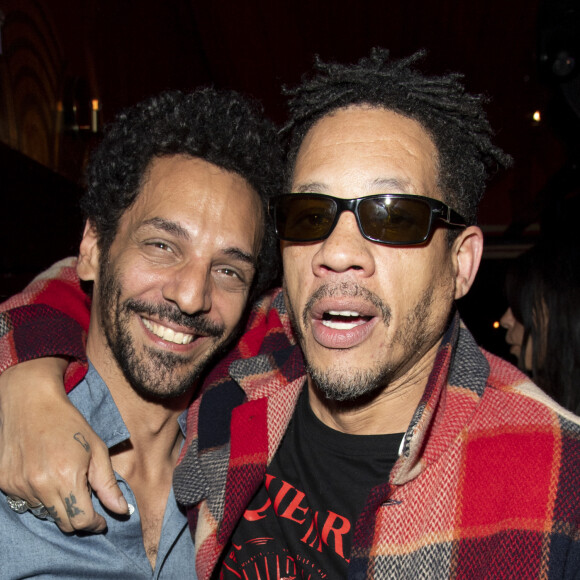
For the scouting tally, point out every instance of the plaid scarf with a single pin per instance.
(487, 486)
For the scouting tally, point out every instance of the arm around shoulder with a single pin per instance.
(48, 452)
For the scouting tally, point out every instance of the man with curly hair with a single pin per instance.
(357, 430)
(174, 244)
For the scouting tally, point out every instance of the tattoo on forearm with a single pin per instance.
(53, 514)
(81, 439)
(71, 506)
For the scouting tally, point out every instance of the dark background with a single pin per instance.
(57, 56)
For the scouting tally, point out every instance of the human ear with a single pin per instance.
(88, 262)
(466, 251)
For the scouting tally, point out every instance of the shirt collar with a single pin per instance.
(95, 402)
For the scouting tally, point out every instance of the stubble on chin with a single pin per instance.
(333, 384)
(153, 373)
(414, 337)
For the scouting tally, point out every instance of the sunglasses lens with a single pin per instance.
(304, 219)
(389, 219)
(395, 220)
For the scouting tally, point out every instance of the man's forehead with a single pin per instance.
(380, 147)
(175, 179)
(166, 167)
(348, 122)
(196, 197)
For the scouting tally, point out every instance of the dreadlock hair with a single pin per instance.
(220, 127)
(454, 119)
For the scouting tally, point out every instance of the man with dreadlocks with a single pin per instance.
(357, 431)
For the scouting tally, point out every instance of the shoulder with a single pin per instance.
(523, 445)
(509, 386)
(518, 425)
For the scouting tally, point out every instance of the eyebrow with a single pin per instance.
(312, 187)
(384, 184)
(175, 229)
(168, 226)
(395, 184)
(238, 254)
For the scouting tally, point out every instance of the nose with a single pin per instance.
(189, 287)
(345, 250)
(507, 320)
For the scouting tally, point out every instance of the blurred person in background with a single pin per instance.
(543, 318)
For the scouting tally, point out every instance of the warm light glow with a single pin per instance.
(95, 116)
(496, 324)
(537, 116)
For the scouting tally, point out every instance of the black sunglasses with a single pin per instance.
(395, 219)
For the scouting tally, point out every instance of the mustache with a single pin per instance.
(346, 289)
(198, 323)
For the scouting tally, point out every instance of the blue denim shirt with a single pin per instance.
(33, 547)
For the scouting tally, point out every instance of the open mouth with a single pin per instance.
(343, 319)
(166, 333)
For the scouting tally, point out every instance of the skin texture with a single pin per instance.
(369, 378)
(172, 265)
(406, 292)
(169, 293)
(515, 337)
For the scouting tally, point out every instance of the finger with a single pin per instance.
(71, 508)
(80, 512)
(71, 511)
(56, 512)
(104, 482)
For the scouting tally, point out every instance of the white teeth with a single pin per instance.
(342, 325)
(167, 333)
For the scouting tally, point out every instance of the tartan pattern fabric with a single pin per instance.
(32, 324)
(487, 486)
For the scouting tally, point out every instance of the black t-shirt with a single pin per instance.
(300, 522)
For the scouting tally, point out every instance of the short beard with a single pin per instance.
(153, 373)
(356, 385)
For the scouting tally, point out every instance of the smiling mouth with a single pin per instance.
(343, 319)
(166, 333)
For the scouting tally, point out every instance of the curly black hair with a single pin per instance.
(220, 127)
(454, 119)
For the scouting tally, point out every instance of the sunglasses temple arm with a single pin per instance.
(453, 218)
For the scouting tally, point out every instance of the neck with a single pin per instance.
(387, 410)
(147, 459)
(155, 434)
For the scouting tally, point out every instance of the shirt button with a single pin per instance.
(131, 509)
